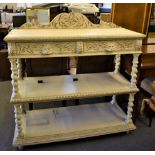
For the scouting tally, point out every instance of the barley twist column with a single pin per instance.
(117, 66)
(18, 119)
(14, 76)
(19, 66)
(134, 70)
(117, 62)
(130, 107)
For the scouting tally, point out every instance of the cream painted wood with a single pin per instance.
(72, 122)
(19, 66)
(32, 35)
(18, 119)
(130, 107)
(117, 63)
(74, 54)
(63, 87)
(71, 35)
(117, 67)
(14, 76)
(134, 70)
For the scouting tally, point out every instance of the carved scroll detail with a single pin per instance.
(79, 46)
(71, 47)
(109, 46)
(72, 20)
(43, 48)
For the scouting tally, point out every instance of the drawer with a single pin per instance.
(45, 48)
(74, 47)
(109, 46)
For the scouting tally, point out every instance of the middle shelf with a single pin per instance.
(63, 87)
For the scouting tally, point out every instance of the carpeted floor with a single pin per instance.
(143, 138)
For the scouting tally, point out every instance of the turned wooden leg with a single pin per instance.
(18, 119)
(130, 107)
(113, 101)
(14, 76)
(19, 67)
(19, 148)
(117, 68)
(134, 70)
(117, 63)
(133, 83)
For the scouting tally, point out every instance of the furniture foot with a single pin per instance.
(20, 148)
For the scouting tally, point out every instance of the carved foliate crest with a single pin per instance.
(70, 20)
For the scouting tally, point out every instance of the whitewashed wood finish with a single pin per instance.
(14, 76)
(70, 20)
(63, 87)
(117, 67)
(72, 122)
(134, 70)
(117, 62)
(70, 35)
(113, 101)
(18, 119)
(19, 66)
(130, 107)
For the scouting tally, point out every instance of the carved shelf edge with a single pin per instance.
(17, 100)
(73, 135)
(72, 20)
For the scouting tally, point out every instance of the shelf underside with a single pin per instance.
(65, 123)
(63, 87)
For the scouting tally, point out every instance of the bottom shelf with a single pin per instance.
(66, 123)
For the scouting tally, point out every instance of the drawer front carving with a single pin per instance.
(46, 48)
(76, 47)
(109, 46)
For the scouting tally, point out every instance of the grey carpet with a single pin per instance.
(143, 138)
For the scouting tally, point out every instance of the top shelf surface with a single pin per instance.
(26, 35)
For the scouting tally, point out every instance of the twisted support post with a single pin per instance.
(19, 67)
(117, 67)
(130, 108)
(18, 119)
(14, 76)
(133, 81)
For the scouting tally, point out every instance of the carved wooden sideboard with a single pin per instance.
(71, 35)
